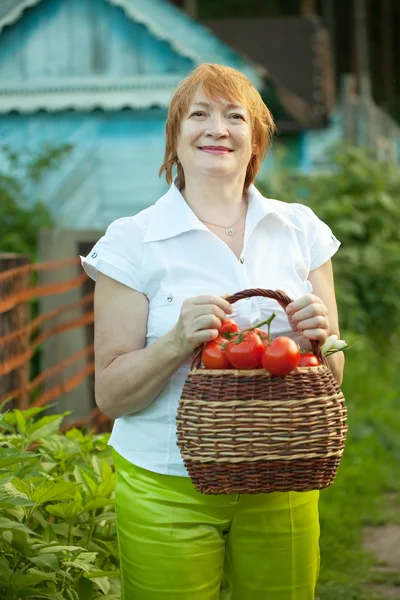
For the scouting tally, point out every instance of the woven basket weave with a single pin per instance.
(245, 431)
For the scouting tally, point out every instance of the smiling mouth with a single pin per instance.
(215, 149)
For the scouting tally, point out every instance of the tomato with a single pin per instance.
(281, 356)
(214, 356)
(263, 335)
(229, 327)
(308, 359)
(247, 353)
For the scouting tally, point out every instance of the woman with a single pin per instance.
(161, 280)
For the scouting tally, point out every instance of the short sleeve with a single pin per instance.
(117, 254)
(322, 242)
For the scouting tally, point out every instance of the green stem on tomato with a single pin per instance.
(266, 322)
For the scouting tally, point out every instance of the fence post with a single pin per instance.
(348, 107)
(12, 319)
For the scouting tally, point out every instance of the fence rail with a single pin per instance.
(21, 334)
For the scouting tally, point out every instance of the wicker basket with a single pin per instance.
(245, 431)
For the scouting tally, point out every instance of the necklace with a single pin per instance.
(230, 230)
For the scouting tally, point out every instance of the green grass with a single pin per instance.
(367, 487)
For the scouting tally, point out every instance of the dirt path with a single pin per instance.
(384, 543)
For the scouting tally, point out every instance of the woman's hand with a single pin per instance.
(200, 319)
(308, 317)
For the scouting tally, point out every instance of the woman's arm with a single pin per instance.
(323, 286)
(128, 376)
(315, 316)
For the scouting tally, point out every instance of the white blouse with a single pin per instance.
(168, 254)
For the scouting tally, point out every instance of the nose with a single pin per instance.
(216, 128)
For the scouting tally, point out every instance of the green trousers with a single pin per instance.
(178, 544)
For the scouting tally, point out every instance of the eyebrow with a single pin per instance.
(207, 105)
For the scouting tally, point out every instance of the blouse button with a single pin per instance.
(94, 254)
(169, 298)
(242, 260)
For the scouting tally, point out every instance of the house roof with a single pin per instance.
(167, 22)
(297, 55)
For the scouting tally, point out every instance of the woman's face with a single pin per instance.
(215, 138)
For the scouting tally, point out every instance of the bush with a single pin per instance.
(57, 521)
(360, 200)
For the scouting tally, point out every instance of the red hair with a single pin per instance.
(218, 81)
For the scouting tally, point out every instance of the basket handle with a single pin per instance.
(283, 300)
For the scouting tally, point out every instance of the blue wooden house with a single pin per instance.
(99, 74)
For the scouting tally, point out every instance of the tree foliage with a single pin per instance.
(22, 214)
(360, 200)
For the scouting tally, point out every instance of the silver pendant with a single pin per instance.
(230, 231)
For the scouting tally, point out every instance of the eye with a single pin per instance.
(237, 116)
(198, 113)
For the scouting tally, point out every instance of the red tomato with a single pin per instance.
(214, 356)
(247, 353)
(263, 335)
(228, 327)
(281, 356)
(308, 359)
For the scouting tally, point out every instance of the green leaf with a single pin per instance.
(77, 564)
(91, 484)
(15, 526)
(66, 575)
(5, 569)
(34, 410)
(105, 517)
(19, 489)
(46, 426)
(34, 577)
(92, 574)
(78, 475)
(21, 541)
(46, 548)
(17, 501)
(16, 512)
(98, 503)
(107, 473)
(33, 593)
(47, 467)
(4, 425)
(87, 557)
(12, 456)
(49, 491)
(45, 561)
(21, 422)
(4, 480)
(102, 583)
(84, 588)
(60, 528)
(96, 465)
(75, 434)
(65, 510)
(8, 536)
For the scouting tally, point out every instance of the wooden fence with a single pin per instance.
(22, 333)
